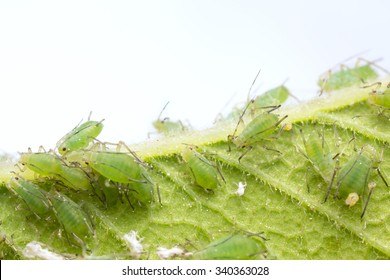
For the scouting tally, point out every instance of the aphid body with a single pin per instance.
(232, 247)
(71, 216)
(203, 171)
(346, 77)
(80, 137)
(353, 178)
(34, 197)
(380, 98)
(46, 164)
(273, 97)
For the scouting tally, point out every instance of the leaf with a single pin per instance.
(296, 222)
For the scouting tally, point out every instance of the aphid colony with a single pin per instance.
(110, 175)
(81, 163)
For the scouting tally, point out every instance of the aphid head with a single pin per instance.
(352, 199)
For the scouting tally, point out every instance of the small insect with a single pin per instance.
(318, 153)
(168, 127)
(258, 129)
(125, 169)
(202, 170)
(34, 197)
(43, 163)
(241, 189)
(353, 178)
(380, 98)
(75, 221)
(50, 164)
(347, 77)
(233, 247)
(273, 97)
(80, 136)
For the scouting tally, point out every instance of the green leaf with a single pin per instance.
(296, 222)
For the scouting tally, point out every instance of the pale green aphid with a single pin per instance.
(353, 178)
(43, 163)
(318, 153)
(49, 164)
(168, 127)
(80, 137)
(203, 171)
(272, 97)
(34, 197)
(232, 247)
(347, 77)
(74, 220)
(380, 98)
(258, 129)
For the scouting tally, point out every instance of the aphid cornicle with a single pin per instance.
(347, 77)
(232, 247)
(72, 217)
(34, 197)
(353, 178)
(80, 137)
(205, 174)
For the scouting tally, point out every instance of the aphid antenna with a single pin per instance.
(337, 167)
(159, 116)
(253, 83)
(134, 154)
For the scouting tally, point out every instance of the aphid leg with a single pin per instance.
(158, 194)
(128, 199)
(371, 187)
(331, 181)
(247, 149)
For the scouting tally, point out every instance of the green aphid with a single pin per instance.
(116, 166)
(346, 77)
(80, 137)
(34, 197)
(43, 163)
(107, 191)
(168, 127)
(49, 164)
(353, 177)
(318, 153)
(205, 173)
(380, 98)
(258, 129)
(75, 221)
(232, 247)
(273, 97)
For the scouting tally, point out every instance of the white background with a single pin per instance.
(124, 60)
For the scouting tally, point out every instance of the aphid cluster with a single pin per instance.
(81, 164)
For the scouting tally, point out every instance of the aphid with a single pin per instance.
(202, 170)
(353, 178)
(80, 137)
(43, 163)
(72, 217)
(232, 247)
(122, 168)
(258, 129)
(347, 77)
(273, 97)
(380, 98)
(34, 197)
(168, 127)
(49, 164)
(318, 153)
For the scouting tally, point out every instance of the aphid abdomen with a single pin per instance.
(74, 178)
(34, 197)
(258, 129)
(273, 97)
(143, 192)
(353, 176)
(42, 163)
(233, 247)
(118, 167)
(79, 137)
(72, 217)
(203, 171)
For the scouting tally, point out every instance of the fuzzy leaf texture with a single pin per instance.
(283, 198)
